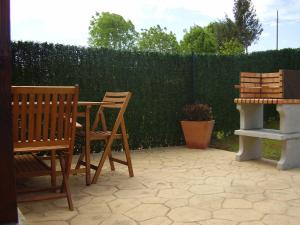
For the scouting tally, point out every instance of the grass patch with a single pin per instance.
(271, 149)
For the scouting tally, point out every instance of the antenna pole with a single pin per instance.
(277, 32)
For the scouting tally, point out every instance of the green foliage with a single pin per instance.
(248, 26)
(223, 30)
(161, 84)
(157, 39)
(197, 112)
(111, 30)
(198, 40)
(231, 47)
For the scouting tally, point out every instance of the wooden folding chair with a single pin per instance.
(42, 123)
(111, 100)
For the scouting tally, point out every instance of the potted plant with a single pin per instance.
(197, 125)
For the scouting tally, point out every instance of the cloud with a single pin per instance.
(67, 21)
(265, 34)
(135, 7)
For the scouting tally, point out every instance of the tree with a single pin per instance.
(111, 30)
(198, 40)
(223, 30)
(248, 26)
(156, 39)
(231, 47)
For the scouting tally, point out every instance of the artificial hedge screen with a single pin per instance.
(161, 84)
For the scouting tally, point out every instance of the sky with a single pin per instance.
(67, 21)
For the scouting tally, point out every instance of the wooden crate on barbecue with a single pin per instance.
(283, 84)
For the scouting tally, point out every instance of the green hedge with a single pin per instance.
(161, 84)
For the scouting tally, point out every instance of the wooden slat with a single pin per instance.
(29, 163)
(119, 161)
(53, 117)
(116, 94)
(23, 117)
(270, 75)
(247, 85)
(250, 80)
(42, 143)
(31, 116)
(271, 80)
(67, 112)
(272, 85)
(251, 90)
(40, 148)
(249, 74)
(46, 117)
(89, 103)
(114, 100)
(266, 101)
(84, 164)
(39, 113)
(42, 89)
(113, 106)
(250, 95)
(60, 119)
(271, 90)
(15, 119)
(256, 88)
(271, 95)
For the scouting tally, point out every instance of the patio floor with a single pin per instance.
(178, 186)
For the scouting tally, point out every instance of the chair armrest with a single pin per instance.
(87, 103)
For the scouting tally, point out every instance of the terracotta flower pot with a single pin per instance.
(197, 134)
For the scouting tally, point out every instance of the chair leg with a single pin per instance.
(79, 160)
(87, 153)
(101, 163)
(111, 162)
(65, 182)
(126, 148)
(128, 158)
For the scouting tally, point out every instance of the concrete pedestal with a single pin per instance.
(251, 133)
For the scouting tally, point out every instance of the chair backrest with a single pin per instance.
(44, 116)
(112, 100)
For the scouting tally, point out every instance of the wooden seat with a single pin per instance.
(113, 100)
(30, 165)
(42, 122)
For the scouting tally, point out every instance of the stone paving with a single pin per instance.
(178, 186)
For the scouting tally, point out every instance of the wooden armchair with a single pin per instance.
(112, 100)
(42, 122)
